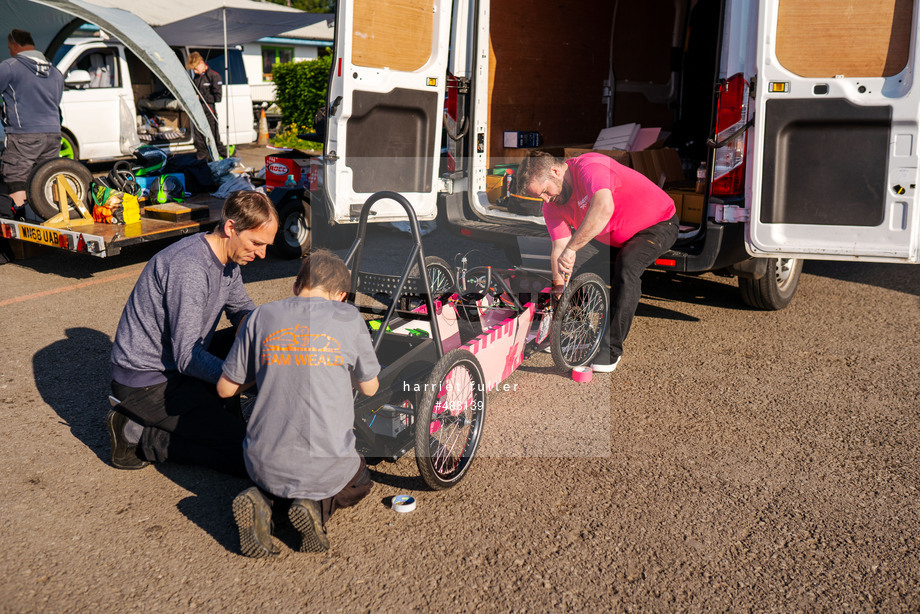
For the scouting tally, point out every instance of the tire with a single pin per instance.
(774, 290)
(440, 274)
(579, 321)
(39, 190)
(295, 235)
(449, 419)
(69, 147)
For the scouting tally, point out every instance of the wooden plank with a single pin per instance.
(395, 34)
(175, 212)
(853, 38)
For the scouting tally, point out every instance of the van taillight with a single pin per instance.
(732, 115)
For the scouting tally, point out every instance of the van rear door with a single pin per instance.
(836, 135)
(386, 98)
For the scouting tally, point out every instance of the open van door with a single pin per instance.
(836, 131)
(386, 99)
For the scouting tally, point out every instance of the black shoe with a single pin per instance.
(253, 516)
(307, 518)
(124, 454)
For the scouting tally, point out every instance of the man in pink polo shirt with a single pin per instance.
(615, 208)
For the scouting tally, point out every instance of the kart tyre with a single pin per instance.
(449, 419)
(440, 274)
(579, 321)
(44, 179)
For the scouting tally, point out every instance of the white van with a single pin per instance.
(112, 102)
(805, 115)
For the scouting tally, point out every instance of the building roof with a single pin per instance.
(162, 12)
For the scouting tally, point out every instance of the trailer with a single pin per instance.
(84, 236)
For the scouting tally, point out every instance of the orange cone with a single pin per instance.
(263, 130)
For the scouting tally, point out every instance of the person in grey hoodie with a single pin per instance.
(30, 92)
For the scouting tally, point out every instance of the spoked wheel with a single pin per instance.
(440, 274)
(580, 320)
(440, 277)
(450, 417)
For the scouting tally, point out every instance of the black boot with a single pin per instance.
(124, 453)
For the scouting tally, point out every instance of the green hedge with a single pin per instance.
(300, 89)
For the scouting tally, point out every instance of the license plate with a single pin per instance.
(45, 236)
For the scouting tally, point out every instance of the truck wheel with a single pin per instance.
(775, 289)
(294, 235)
(69, 147)
(44, 180)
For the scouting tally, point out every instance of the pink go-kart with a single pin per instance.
(445, 337)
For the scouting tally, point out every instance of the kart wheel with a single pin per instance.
(440, 274)
(43, 182)
(294, 235)
(580, 320)
(449, 421)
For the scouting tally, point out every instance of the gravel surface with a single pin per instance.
(735, 461)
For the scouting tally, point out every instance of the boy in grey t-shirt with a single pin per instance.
(304, 352)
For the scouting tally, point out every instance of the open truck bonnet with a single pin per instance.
(51, 21)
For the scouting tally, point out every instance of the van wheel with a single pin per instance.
(69, 147)
(775, 289)
(294, 235)
(43, 182)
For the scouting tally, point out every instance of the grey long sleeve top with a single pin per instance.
(172, 313)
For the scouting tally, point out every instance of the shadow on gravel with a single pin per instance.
(72, 376)
(210, 505)
(81, 266)
(678, 288)
(545, 371)
(403, 482)
(897, 277)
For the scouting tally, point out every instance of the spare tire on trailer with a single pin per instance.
(40, 193)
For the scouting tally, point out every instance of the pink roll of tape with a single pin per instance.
(582, 374)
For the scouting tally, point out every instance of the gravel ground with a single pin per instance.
(735, 461)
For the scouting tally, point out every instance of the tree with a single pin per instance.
(300, 89)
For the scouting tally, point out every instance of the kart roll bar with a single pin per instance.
(416, 254)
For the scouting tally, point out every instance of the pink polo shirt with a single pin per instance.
(637, 202)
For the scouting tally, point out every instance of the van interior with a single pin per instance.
(161, 119)
(551, 62)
